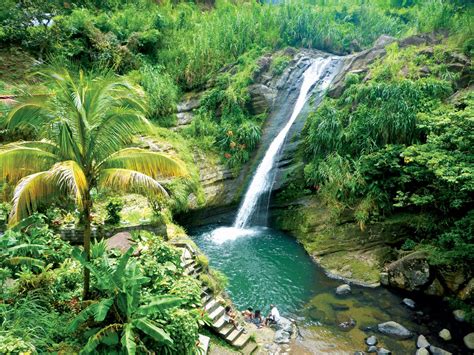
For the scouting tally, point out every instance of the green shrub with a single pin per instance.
(31, 246)
(215, 280)
(279, 64)
(114, 206)
(161, 91)
(202, 261)
(15, 345)
(188, 289)
(32, 320)
(128, 316)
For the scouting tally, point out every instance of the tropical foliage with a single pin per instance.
(396, 142)
(136, 302)
(85, 125)
(93, 125)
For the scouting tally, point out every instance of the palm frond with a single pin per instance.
(29, 192)
(18, 160)
(29, 112)
(130, 181)
(25, 260)
(150, 163)
(117, 130)
(70, 177)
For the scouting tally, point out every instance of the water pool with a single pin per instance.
(266, 266)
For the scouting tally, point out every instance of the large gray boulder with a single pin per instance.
(372, 340)
(469, 341)
(421, 342)
(394, 329)
(468, 291)
(459, 315)
(343, 290)
(435, 289)
(410, 273)
(384, 40)
(422, 351)
(282, 337)
(285, 325)
(445, 334)
(434, 350)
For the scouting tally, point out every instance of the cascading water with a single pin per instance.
(318, 75)
(262, 181)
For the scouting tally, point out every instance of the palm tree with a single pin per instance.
(86, 127)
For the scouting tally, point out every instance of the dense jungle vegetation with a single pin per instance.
(97, 84)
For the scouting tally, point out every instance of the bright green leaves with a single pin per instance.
(126, 312)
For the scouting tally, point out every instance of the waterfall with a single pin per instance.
(262, 181)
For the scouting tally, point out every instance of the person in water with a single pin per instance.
(229, 316)
(257, 319)
(248, 315)
(273, 316)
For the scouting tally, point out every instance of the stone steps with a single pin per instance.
(246, 346)
(234, 334)
(217, 313)
(236, 337)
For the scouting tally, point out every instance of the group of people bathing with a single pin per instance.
(253, 317)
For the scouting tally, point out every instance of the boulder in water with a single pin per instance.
(453, 278)
(410, 273)
(421, 342)
(351, 323)
(384, 278)
(438, 351)
(435, 289)
(459, 315)
(422, 351)
(467, 292)
(343, 290)
(445, 334)
(469, 341)
(394, 329)
(409, 303)
(372, 340)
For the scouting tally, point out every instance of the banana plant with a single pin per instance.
(123, 318)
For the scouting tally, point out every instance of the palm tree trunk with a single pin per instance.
(86, 221)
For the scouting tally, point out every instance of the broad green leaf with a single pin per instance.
(100, 336)
(157, 333)
(102, 309)
(128, 339)
(160, 304)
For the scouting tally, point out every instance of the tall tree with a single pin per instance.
(86, 127)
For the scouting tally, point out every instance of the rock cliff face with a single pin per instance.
(270, 93)
(340, 247)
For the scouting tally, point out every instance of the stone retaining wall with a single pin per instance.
(76, 236)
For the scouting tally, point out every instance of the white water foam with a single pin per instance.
(227, 234)
(262, 181)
